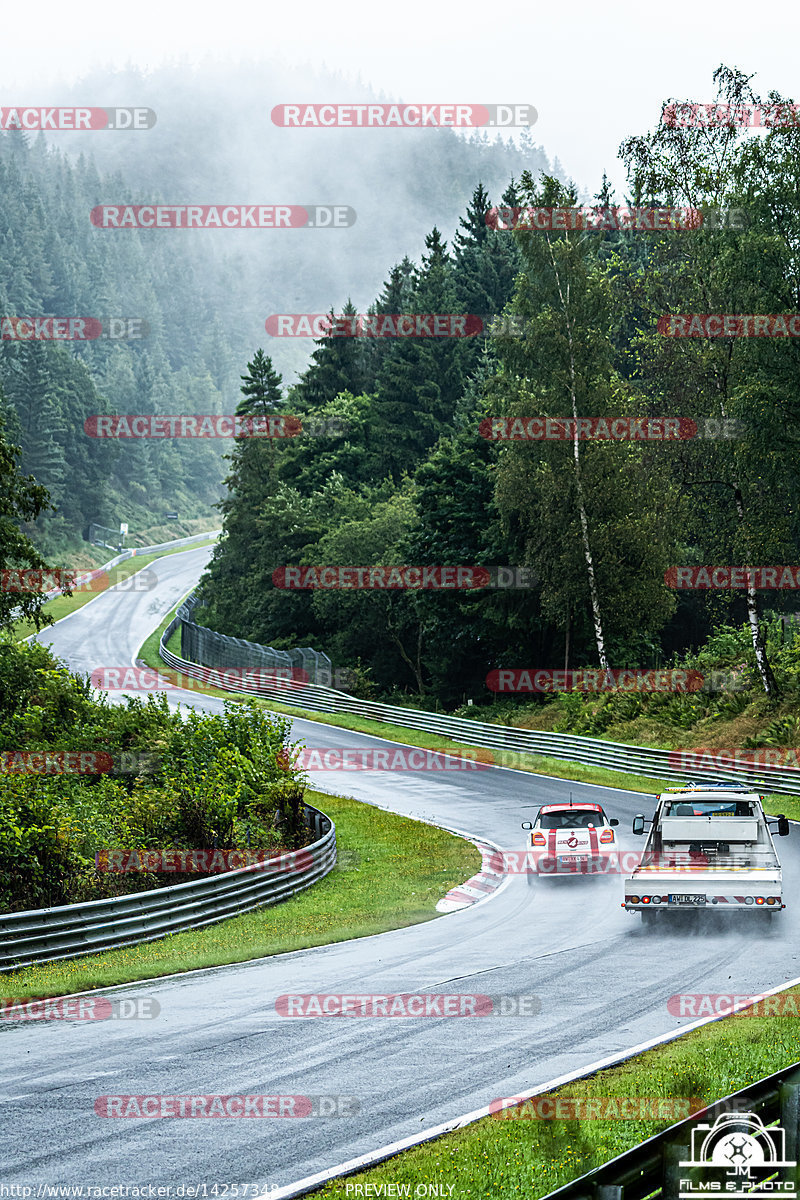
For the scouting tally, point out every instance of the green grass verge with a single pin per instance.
(500, 1158)
(401, 869)
(62, 606)
(149, 653)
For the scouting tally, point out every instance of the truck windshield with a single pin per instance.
(570, 820)
(710, 808)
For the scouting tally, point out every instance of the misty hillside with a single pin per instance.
(214, 142)
(203, 294)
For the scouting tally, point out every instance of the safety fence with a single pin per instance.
(217, 652)
(73, 929)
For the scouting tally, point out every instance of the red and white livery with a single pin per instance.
(571, 839)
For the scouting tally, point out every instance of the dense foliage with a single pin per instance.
(199, 783)
(412, 481)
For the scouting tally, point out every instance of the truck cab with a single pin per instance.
(709, 848)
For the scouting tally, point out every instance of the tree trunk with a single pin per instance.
(759, 647)
(416, 667)
(587, 548)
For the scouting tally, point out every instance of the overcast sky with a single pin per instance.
(596, 72)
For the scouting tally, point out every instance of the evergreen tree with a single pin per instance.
(22, 500)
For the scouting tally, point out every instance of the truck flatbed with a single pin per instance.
(709, 847)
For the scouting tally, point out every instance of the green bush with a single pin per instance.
(217, 781)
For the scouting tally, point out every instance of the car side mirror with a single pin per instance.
(638, 823)
(783, 826)
(527, 824)
(613, 821)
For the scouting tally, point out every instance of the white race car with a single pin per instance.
(572, 839)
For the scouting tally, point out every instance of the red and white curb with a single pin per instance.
(487, 881)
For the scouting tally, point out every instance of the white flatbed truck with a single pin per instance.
(710, 848)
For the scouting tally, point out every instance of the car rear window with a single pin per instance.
(571, 820)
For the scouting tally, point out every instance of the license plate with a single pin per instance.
(573, 858)
(687, 899)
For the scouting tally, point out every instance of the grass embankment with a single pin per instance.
(538, 764)
(395, 870)
(499, 1158)
(62, 606)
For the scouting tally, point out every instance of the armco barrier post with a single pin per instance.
(672, 1172)
(790, 1120)
(609, 1191)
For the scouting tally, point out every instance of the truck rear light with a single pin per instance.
(633, 899)
(773, 899)
(645, 899)
(607, 835)
(748, 899)
(538, 839)
(655, 899)
(759, 899)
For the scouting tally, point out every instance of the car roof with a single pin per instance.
(546, 808)
(698, 796)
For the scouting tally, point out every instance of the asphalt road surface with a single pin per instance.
(602, 981)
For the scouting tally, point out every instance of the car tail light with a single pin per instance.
(607, 835)
(538, 839)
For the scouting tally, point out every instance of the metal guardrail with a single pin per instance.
(507, 742)
(134, 551)
(651, 1168)
(185, 541)
(74, 929)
